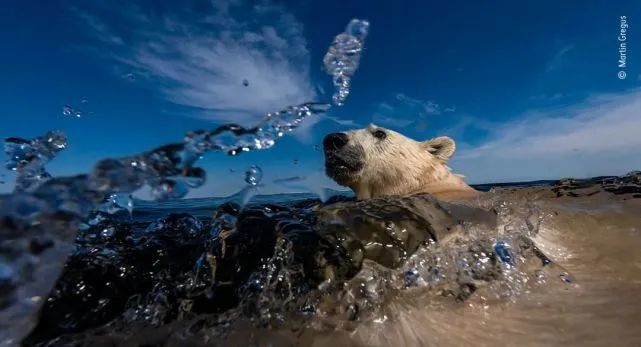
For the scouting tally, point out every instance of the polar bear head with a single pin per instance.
(376, 161)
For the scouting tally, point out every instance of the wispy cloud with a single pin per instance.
(227, 61)
(450, 109)
(425, 107)
(547, 97)
(558, 58)
(403, 111)
(597, 136)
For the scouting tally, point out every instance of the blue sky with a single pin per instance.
(528, 90)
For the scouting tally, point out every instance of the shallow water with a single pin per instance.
(597, 239)
(475, 281)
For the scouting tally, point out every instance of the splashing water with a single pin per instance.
(52, 209)
(67, 110)
(116, 203)
(168, 169)
(253, 175)
(343, 57)
(28, 157)
(341, 61)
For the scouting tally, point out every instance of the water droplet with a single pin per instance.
(67, 110)
(107, 232)
(566, 277)
(253, 175)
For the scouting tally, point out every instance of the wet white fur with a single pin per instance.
(398, 165)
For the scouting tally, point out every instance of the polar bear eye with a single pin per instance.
(380, 134)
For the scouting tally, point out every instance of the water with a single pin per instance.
(519, 266)
(28, 157)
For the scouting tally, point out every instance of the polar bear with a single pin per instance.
(376, 162)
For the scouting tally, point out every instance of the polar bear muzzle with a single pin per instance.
(342, 159)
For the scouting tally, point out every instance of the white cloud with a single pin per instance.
(233, 63)
(598, 136)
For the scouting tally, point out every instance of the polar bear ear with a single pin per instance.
(441, 147)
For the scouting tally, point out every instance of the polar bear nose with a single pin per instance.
(335, 141)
